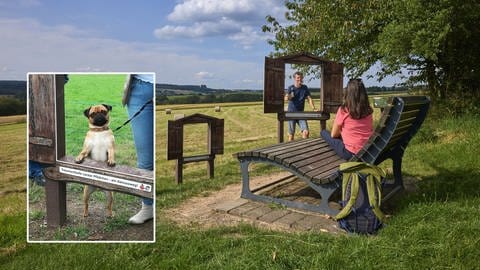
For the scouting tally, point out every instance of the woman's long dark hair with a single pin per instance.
(356, 100)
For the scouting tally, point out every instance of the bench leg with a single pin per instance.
(56, 193)
(325, 192)
(397, 171)
(398, 180)
(246, 192)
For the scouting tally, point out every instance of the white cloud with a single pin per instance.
(204, 75)
(237, 20)
(198, 29)
(246, 36)
(29, 46)
(20, 3)
(204, 10)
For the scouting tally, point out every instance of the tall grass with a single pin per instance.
(436, 227)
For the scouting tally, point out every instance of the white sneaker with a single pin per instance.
(143, 215)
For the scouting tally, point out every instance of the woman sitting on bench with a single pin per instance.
(353, 124)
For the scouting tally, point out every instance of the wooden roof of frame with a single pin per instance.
(303, 58)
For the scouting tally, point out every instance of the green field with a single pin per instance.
(436, 227)
(85, 90)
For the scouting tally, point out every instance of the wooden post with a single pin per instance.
(211, 164)
(280, 132)
(56, 193)
(323, 125)
(179, 171)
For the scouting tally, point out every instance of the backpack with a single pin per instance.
(361, 198)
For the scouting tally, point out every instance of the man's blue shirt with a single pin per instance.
(297, 103)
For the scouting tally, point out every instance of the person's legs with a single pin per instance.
(142, 128)
(35, 173)
(291, 129)
(304, 128)
(336, 144)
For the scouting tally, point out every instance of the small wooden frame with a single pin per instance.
(331, 88)
(47, 145)
(175, 142)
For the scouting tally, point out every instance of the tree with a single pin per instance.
(436, 40)
(12, 106)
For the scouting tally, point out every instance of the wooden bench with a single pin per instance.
(314, 162)
(121, 178)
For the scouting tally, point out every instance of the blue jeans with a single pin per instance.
(337, 145)
(35, 168)
(142, 125)
(292, 124)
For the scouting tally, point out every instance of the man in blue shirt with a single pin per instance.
(296, 95)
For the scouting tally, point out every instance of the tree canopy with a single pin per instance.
(437, 41)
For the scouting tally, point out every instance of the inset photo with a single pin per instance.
(91, 157)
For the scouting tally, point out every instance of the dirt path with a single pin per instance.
(205, 211)
(95, 227)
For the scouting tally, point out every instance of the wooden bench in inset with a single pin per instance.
(314, 162)
(121, 178)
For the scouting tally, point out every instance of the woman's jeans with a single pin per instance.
(142, 125)
(337, 145)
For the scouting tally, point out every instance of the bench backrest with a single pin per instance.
(400, 120)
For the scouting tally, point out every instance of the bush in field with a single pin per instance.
(12, 106)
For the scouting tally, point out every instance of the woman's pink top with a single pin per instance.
(355, 132)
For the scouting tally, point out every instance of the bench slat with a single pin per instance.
(313, 163)
(291, 151)
(306, 158)
(301, 153)
(283, 149)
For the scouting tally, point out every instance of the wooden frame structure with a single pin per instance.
(175, 142)
(47, 145)
(331, 85)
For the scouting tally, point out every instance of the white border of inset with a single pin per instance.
(28, 157)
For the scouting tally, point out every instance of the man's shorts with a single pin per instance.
(293, 123)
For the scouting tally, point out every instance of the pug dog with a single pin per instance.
(99, 144)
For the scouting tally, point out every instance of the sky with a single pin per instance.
(214, 42)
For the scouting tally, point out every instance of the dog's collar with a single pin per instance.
(99, 128)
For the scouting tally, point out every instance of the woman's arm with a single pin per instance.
(336, 130)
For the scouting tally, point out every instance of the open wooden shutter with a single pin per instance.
(274, 85)
(331, 87)
(41, 131)
(216, 136)
(174, 140)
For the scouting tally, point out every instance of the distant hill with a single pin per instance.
(17, 89)
(173, 93)
(175, 89)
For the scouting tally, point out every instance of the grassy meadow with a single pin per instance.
(85, 90)
(436, 227)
